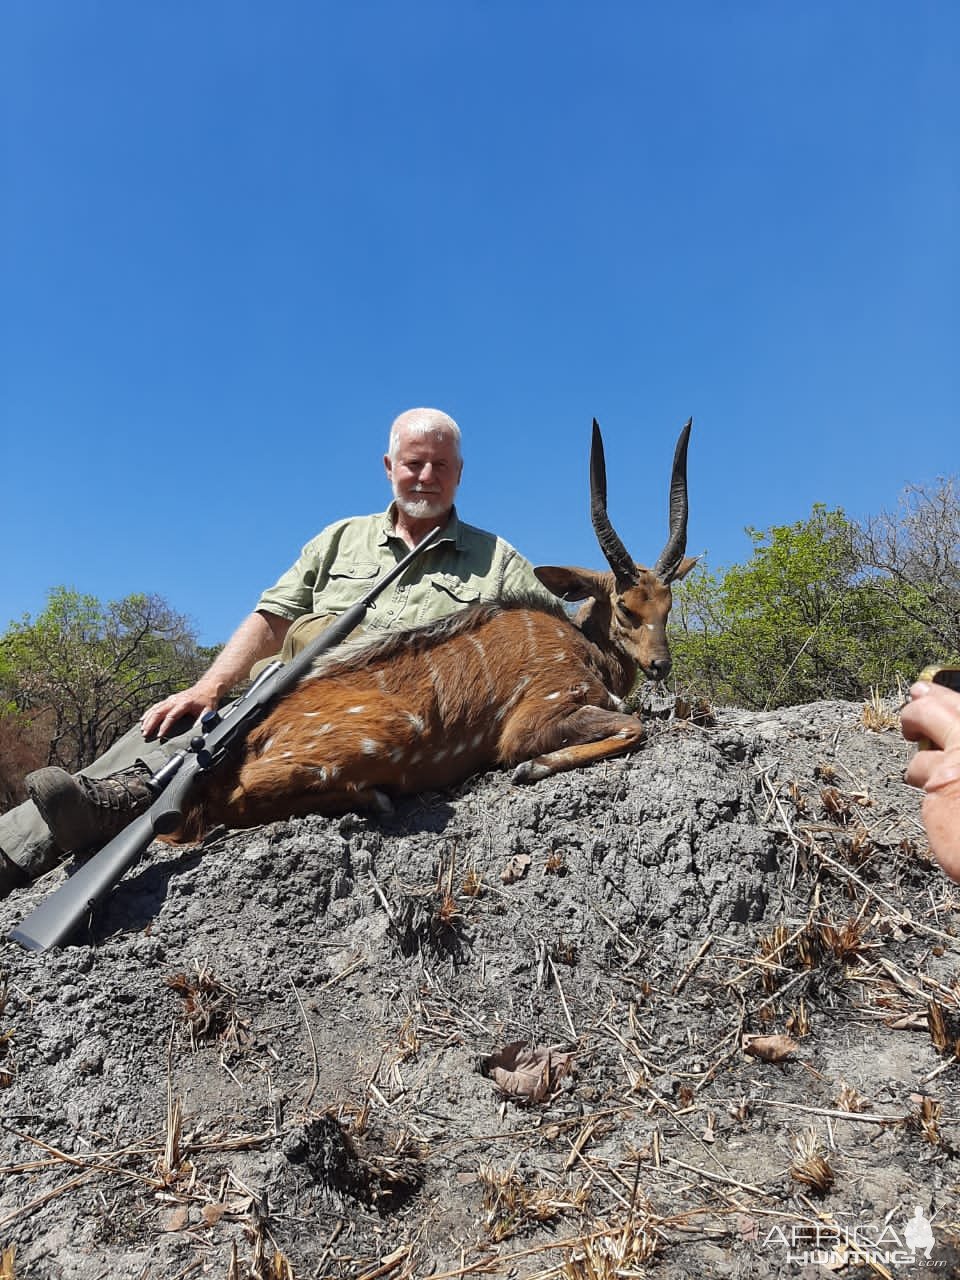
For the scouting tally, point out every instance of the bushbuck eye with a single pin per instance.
(627, 615)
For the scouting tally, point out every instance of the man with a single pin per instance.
(80, 813)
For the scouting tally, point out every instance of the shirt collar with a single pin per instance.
(452, 532)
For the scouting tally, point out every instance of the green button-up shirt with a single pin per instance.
(340, 565)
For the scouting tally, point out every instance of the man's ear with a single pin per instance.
(569, 583)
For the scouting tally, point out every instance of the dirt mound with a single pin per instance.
(277, 1056)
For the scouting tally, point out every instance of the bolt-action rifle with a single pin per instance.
(53, 921)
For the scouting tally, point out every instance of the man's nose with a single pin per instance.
(426, 473)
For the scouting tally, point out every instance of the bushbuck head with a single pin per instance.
(627, 608)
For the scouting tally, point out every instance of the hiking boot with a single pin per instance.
(84, 813)
(12, 875)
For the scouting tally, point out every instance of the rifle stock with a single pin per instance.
(55, 919)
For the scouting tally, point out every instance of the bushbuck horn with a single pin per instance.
(671, 555)
(613, 549)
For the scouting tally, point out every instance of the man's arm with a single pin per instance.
(258, 636)
(519, 580)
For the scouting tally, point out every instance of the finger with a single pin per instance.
(169, 720)
(934, 717)
(921, 767)
(148, 723)
(946, 772)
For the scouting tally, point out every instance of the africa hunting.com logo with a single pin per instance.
(833, 1245)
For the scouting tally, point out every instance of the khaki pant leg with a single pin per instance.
(300, 633)
(24, 836)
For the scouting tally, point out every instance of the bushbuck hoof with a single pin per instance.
(530, 771)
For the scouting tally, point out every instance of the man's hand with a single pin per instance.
(158, 721)
(259, 636)
(933, 712)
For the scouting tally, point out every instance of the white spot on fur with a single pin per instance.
(441, 755)
(335, 771)
(267, 745)
(476, 740)
(651, 626)
(285, 755)
(369, 747)
(552, 697)
(352, 711)
(396, 754)
(416, 757)
(320, 771)
(416, 721)
(561, 655)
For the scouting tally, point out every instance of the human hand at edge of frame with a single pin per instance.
(933, 712)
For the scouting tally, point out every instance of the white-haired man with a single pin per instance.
(81, 812)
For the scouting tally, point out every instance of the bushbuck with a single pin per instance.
(493, 685)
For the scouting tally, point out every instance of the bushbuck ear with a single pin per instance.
(570, 584)
(684, 567)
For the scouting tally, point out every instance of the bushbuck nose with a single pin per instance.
(660, 668)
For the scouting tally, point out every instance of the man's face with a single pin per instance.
(424, 473)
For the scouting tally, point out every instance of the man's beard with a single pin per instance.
(421, 506)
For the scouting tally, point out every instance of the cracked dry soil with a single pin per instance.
(264, 1060)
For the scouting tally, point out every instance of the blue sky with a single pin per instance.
(237, 239)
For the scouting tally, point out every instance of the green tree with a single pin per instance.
(801, 620)
(86, 670)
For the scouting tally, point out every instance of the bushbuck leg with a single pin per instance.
(594, 734)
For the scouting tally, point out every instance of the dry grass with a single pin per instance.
(809, 1166)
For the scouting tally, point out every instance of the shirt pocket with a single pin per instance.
(345, 584)
(450, 588)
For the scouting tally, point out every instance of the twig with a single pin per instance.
(682, 982)
(715, 1177)
(835, 1113)
(389, 1263)
(356, 963)
(313, 1048)
(385, 904)
(563, 1001)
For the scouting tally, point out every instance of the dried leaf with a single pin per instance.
(748, 1228)
(527, 1074)
(176, 1219)
(212, 1213)
(516, 868)
(770, 1048)
(6, 1262)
